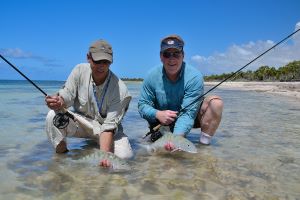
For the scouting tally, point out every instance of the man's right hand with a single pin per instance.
(166, 117)
(169, 146)
(105, 163)
(54, 102)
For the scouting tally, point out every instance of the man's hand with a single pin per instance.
(166, 117)
(104, 163)
(169, 146)
(54, 102)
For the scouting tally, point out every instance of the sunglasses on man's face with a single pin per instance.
(175, 54)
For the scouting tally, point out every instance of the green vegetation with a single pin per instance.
(289, 72)
(131, 79)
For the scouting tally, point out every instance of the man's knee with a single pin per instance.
(50, 116)
(215, 103)
(122, 148)
(218, 104)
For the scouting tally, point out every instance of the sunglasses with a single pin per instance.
(97, 62)
(101, 62)
(175, 54)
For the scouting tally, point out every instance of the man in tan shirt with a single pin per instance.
(99, 97)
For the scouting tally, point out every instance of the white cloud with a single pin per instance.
(237, 56)
(20, 54)
(15, 53)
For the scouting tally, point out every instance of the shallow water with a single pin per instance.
(254, 155)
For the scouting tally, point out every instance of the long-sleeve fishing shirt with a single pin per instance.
(81, 92)
(160, 93)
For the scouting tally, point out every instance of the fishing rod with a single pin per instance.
(24, 75)
(184, 108)
(61, 120)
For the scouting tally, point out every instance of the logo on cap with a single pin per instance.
(170, 42)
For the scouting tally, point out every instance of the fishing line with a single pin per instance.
(60, 120)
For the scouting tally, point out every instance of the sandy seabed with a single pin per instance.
(291, 89)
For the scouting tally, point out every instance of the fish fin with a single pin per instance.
(176, 149)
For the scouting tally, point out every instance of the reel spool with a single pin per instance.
(61, 120)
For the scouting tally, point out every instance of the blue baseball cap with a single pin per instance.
(171, 41)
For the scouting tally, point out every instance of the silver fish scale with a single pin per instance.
(116, 162)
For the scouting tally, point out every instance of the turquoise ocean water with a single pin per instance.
(254, 155)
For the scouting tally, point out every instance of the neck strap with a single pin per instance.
(99, 104)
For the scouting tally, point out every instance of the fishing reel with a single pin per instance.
(61, 120)
(154, 133)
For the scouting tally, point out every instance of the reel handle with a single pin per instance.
(155, 129)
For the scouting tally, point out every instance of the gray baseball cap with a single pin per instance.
(101, 50)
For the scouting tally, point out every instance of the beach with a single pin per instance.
(290, 89)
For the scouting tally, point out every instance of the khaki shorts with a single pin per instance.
(197, 122)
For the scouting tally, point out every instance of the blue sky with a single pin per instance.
(45, 39)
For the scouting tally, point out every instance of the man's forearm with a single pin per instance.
(106, 141)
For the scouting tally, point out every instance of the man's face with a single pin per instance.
(99, 68)
(172, 60)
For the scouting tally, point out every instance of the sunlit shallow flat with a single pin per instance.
(255, 154)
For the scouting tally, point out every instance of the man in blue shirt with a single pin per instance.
(171, 95)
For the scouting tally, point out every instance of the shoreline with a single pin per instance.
(290, 89)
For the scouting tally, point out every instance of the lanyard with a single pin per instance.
(99, 104)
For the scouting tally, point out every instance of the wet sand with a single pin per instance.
(291, 89)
